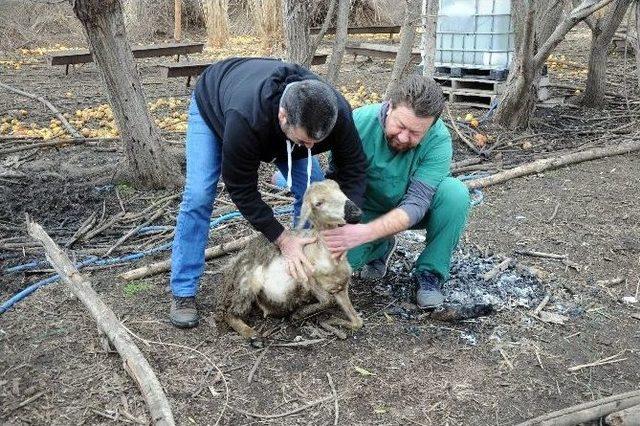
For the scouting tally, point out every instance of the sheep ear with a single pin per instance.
(305, 213)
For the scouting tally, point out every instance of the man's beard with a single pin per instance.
(395, 145)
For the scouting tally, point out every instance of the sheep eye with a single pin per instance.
(318, 203)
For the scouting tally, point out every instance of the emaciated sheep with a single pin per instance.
(258, 275)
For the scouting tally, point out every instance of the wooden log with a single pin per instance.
(134, 361)
(587, 411)
(165, 265)
(554, 163)
(627, 417)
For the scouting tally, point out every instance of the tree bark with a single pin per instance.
(295, 18)
(428, 40)
(323, 30)
(342, 28)
(601, 36)
(518, 101)
(407, 36)
(177, 20)
(637, 41)
(147, 162)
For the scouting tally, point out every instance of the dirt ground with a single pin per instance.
(402, 367)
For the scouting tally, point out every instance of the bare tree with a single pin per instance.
(603, 27)
(428, 39)
(300, 46)
(540, 35)
(148, 164)
(216, 21)
(295, 15)
(637, 41)
(267, 18)
(407, 36)
(342, 30)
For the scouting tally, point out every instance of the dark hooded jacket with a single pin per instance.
(239, 100)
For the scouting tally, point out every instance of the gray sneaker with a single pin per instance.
(377, 268)
(429, 294)
(184, 313)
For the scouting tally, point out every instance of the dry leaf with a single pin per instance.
(363, 372)
(552, 317)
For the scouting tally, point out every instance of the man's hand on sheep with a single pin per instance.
(298, 266)
(346, 237)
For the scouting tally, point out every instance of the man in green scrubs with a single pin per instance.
(408, 150)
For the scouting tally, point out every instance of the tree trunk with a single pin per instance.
(407, 36)
(601, 35)
(637, 49)
(323, 30)
(177, 20)
(342, 27)
(428, 40)
(543, 29)
(216, 14)
(148, 164)
(296, 30)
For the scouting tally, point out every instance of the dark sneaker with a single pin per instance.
(184, 313)
(377, 268)
(429, 294)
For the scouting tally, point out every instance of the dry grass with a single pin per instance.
(216, 13)
(267, 20)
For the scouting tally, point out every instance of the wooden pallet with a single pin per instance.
(476, 92)
(491, 74)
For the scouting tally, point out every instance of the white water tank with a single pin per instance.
(476, 34)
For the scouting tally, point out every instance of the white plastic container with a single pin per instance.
(476, 34)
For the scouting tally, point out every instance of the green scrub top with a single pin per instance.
(388, 171)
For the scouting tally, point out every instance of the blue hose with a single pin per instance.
(94, 260)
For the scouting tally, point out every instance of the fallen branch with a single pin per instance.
(57, 142)
(72, 131)
(625, 417)
(134, 361)
(587, 411)
(335, 401)
(542, 254)
(286, 413)
(554, 163)
(165, 265)
(462, 137)
(608, 360)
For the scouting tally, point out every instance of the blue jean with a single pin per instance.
(204, 161)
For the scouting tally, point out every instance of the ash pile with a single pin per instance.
(479, 283)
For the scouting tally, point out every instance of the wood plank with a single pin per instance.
(377, 50)
(147, 51)
(391, 29)
(194, 69)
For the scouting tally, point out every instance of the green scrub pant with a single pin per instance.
(444, 222)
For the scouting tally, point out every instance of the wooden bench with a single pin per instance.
(391, 30)
(383, 51)
(153, 50)
(195, 69)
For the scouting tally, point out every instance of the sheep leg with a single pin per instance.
(343, 300)
(323, 297)
(243, 329)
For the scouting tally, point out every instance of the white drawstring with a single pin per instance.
(289, 161)
(289, 149)
(308, 167)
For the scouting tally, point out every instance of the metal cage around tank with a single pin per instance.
(474, 34)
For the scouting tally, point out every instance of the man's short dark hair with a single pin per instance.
(420, 93)
(312, 105)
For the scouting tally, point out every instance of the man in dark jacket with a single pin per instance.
(245, 111)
